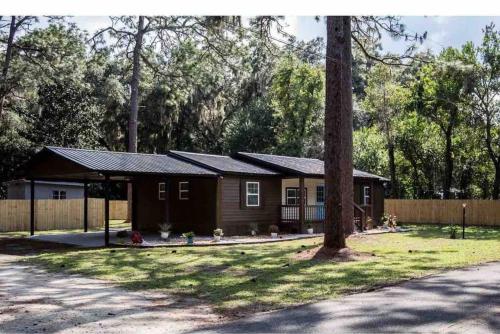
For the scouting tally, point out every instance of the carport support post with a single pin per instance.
(301, 204)
(106, 211)
(167, 201)
(32, 207)
(85, 207)
(135, 226)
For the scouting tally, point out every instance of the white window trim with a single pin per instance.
(58, 194)
(289, 197)
(320, 186)
(366, 196)
(161, 192)
(253, 194)
(183, 191)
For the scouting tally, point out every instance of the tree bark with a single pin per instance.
(392, 170)
(6, 63)
(338, 133)
(494, 158)
(134, 104)
(134, 87)
(448, 164)
(496, 184)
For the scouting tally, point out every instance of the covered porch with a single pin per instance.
(297, 215)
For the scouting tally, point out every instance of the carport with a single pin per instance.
(105, 167)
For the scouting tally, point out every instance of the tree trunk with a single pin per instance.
(496, 183)
(448, 165)
(338, 133)
(392, 170)
(134, 104)
(134, 87)
(6, 63)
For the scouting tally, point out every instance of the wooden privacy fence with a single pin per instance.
(57, 214)
(435, 211)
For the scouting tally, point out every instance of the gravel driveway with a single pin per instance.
(34, 301)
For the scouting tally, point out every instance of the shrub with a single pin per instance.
(188, 234)
(389, 220)
(218, 232)
(274, 229)
(309, 225)
(164, 227)
(254, 227)
(453, 232)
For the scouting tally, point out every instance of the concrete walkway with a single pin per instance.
(80, 239)
(96, 239)
(460, 301)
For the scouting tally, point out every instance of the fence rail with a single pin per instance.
(57, 214)
(477, 212)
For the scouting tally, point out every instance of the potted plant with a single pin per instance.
(165, 230)
(189, 237)
(392, 223)
(254, 229)
(218, 234)
(369, 223)
(310, 229)
(274, 229)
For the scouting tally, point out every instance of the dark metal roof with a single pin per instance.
(124, 162)
(300, 166)
(223, 163)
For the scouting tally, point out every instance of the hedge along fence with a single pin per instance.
(435, 211)
(51, 214)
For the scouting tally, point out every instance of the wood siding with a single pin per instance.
(236, 217)
(197, 214)
(376, 209)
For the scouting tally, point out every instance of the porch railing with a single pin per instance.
(312, 213)
(316, 213)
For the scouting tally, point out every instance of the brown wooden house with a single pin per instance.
(201, 192)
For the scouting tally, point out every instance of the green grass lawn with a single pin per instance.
(262, 277)
(113, 224)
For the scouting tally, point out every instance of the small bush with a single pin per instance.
(274, 229)
(389, 220)
(254, 227)
(188, 235)
(165, 227)
(453, 231)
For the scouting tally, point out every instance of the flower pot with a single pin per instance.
(274, 235)
(310, 231)
(189, 240)
(253, 233)
(216, 238)
(165, 235)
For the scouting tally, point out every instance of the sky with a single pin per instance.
(442, 31)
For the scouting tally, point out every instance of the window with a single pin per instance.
(293, 195)
(161, 191)
(253, 193)
(184, 190)
(367, 195)
(58, 194)
(320, 194)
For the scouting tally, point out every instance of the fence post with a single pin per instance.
(85, 207)
(32, 207)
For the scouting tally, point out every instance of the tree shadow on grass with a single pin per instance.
(443, 231)
(465, 300)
